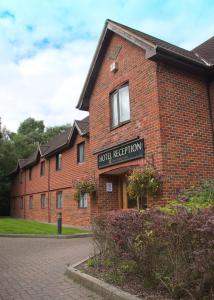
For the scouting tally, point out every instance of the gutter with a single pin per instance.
(180, 60)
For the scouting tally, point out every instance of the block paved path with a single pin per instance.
(34, 269)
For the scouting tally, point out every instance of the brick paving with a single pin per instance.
(34, 269)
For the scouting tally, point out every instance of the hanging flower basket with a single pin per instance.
(85, 187)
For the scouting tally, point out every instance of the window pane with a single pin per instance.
(42, 168)
(114, 110)
(85, 200)
(59, 161)
(59, 200)
(124, 104)
(43, 204)
(81, 152)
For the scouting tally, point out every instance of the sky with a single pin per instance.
(46, 47)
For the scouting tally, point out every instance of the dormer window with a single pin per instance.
(120, 106)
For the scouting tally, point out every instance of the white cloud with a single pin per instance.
(46, 86)
(46, 47)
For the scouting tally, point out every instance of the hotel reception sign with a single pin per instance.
(121, 153)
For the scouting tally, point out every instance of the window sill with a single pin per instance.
(120, 125)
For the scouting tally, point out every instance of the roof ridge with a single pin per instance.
(148, 35)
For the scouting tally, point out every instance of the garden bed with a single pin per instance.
(156, 254)
(133, 285)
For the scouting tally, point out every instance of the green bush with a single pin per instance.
(201, 197)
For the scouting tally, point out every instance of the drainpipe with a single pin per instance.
(24, 195)
(49, 202)
(210, 109)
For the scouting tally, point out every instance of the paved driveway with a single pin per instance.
(34, 269)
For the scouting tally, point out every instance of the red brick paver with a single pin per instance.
(34, 269)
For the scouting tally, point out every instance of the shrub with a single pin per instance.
(200, 197)
(174, 252)
(143, 182)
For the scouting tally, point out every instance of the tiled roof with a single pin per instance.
(206, 50)
(156, 49)
(59, 141)
(83, 125)
(162, 44)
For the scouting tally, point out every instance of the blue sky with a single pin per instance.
(46, 47)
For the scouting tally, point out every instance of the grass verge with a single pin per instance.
(20, 226)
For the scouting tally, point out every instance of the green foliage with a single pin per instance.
(200, 197)
(142, 182)
(93, 262)
(31, 128)
(128, 266)
(20, 145)
(191, 199)
(51, 132)
(87, 186)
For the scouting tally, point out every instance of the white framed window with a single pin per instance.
(120, 106)
(83, 202)
(43, 201)
(42, 168)
(81, 152)
(58, 161)
(59, 200)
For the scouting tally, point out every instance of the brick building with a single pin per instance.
(148, 100)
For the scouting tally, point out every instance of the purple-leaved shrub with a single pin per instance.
(174, 252)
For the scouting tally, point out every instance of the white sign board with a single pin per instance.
(109, 187)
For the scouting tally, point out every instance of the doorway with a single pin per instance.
(125, 201)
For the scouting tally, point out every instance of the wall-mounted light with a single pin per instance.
(114, 67)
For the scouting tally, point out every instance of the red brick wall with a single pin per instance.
(169, 110)
(211, 94)
(186, 129)
(37, 183)
(145, 123)
(71, 213)
(62, 180)
(36, 213)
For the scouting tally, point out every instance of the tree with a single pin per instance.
(143, 182)
(8, 160)
(20, 145)
(31, 127)
(50, 132)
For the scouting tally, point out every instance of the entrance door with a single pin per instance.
(125, 201)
